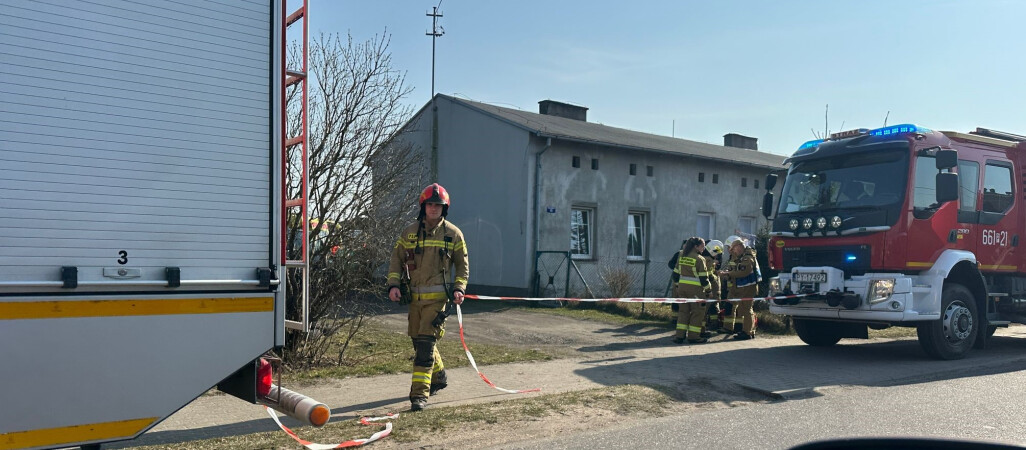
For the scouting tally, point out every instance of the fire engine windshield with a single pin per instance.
(859, 180)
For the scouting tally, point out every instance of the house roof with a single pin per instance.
(587, 132)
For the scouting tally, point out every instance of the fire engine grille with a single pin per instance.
(854, 260)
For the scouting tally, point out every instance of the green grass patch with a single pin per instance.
(628, 400)
(374, 351)
(656, 315)
(652, 314)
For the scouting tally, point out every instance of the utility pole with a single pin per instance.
(435, 33)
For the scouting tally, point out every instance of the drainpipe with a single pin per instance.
(536, 208)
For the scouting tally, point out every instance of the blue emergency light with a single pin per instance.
(898, 129)
(850, 258)
(811, 144)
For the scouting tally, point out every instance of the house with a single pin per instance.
(551, 204)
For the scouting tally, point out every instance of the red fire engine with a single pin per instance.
(902, 226)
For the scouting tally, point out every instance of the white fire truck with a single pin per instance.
(141, 211)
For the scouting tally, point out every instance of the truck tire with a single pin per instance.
(953, 336)
(817, 333)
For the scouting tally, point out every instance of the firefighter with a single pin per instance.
(743, 275)
(694, 283)
(427, 255)
(713, 251)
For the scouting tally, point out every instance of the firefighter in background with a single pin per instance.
(743, 278)
(712, 254)
(694, 283)
(427, 254)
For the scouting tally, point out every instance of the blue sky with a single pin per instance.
(760, 68)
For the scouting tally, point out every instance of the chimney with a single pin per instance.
(739, 141)
(558, 109)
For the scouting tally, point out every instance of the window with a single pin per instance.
(997, 188)
(704, 227)
(636, 236)
(701, 177)
(744, 182)
(594, 163)
(968, 185)
(716, 178)
(580, 232)
(746, 225)
(925, 193)
(650, 170)
(757, 184)
(576, 162)
(634, 169)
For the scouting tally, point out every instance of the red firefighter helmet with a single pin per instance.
(434, 193)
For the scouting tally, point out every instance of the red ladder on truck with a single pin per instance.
(290, 159)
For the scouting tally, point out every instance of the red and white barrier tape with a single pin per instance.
(459, 317)
(629, 300)
(351, 443)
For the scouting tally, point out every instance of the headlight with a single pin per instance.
(821, 223)
(793, 224)
(880, 290)
(835, 222)
(807, 223)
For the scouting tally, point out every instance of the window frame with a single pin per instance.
(588, 213)
(993, 217)
(712, 224)
(644, 235)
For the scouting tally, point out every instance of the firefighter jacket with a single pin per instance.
(694, 274)
(431, 256)
(743, 270)
(714, 279)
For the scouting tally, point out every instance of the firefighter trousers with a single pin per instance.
(428, 368)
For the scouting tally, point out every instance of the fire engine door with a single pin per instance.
(998, 235)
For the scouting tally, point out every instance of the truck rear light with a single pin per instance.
(265, 378)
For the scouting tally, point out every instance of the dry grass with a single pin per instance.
(376, 352)
(627, 400)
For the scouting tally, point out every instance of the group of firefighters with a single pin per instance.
(699, 273)
(431, 252)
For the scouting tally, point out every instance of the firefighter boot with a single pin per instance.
(438, 378)
(418, 403)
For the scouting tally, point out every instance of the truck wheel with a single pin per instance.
(954, 334)
(817, 333)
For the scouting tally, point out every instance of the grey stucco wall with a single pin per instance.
(483, 163)
(671, 199)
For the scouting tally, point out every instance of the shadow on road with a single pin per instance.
(801, 371)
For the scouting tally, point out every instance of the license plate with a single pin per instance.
(800, 277)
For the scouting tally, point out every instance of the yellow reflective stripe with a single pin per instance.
(135, 307)
(690, 282)
(393, 275)
(76, 433)
(714, 316)
(421, 377)
(404, 244)
(438, 367)
(460, 246)
(461, 280)
(694, 328)
(702, 274)
(430, 296)
(681, 326)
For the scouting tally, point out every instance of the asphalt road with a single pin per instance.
(987, 404)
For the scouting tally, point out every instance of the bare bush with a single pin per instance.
(618, 279)
(355, 107)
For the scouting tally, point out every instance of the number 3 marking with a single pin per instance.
(123, 257)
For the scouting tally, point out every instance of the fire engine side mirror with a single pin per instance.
(767, 203)
(946, 159)
(947, 187)
(771, 181)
